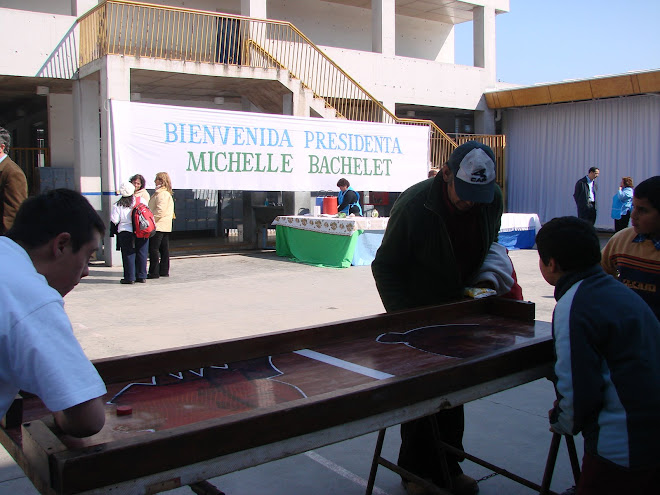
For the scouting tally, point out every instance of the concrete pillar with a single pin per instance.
(300, 106)
(484, 121)
(295, 103)
(86, 142)
(249, 219)
(115, 84)
(292, 202)
(254, 8)
(484, 39)
(60, 130)
(383, 32)
(484, 118)
(287, 104)
(79, 7)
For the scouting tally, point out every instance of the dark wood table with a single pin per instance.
(202, 411)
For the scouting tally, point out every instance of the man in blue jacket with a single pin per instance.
(607, 344)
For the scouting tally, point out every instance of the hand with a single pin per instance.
(485, 284)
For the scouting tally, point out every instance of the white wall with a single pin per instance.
(350, 27)
(60, 129)
(29, 39)
(409, 80)
(424, 39)
(62, 7)
(234, 106)
(226, 6)
(550, 147)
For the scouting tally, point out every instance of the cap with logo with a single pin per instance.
(473, 166)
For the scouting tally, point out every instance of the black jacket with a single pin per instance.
(415, 264)
(581, 197)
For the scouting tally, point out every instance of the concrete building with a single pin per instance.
(376, 60)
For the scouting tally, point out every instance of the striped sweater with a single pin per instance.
(636, 264)
(607, 345)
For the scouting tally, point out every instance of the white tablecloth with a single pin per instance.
(518, 230)
(520, 221)
(370, 231)
(332, 225)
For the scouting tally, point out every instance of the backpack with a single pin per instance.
(144, 225)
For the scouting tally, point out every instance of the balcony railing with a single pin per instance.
(144, 30)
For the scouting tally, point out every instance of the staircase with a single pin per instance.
(118, 27)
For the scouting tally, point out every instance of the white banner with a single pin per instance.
(217, 149)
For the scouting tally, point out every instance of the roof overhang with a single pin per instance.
(445, 11)
(588, 89)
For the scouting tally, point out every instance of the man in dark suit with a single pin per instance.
(585, 196)
(13, 185)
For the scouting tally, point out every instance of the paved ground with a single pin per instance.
(216, 297)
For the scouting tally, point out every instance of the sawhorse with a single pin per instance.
(543, 489)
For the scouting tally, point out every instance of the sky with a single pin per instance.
(541, 41)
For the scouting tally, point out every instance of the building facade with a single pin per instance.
(377, 60)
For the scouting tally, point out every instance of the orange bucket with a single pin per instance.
(330, 205)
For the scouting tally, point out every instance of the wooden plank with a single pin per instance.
(123, 368)
(506, 99)
(91, 466)
(492, 100)
(601, 87)
(291, 446)
(509, 308)
(39, 444)
(195, 443)
(649, 82)
(611, 86)
(531, 96)
(573, 91)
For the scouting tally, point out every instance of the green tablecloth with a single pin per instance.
(316, 248)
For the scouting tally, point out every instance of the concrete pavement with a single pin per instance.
(218, 297)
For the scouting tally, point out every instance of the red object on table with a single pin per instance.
(330, 205)
(124, 410)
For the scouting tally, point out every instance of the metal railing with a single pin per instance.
(117, 27)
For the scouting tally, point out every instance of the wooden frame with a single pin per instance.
(194, 452)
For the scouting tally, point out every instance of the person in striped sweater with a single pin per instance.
(633, 254)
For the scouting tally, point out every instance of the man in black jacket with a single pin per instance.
(585, 196)
(439, 233)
